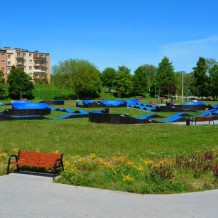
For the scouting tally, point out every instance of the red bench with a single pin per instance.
(203, 118)
(37, 160)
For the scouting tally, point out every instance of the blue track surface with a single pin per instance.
(76, 114)
(179, 117)
(29, 105)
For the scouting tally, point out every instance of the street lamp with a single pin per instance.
(182, 87)
(155, 89)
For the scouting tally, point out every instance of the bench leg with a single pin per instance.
(8, 169)
(62, 165)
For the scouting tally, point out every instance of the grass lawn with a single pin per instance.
(149, 158)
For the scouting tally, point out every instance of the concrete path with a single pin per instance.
(37, 196)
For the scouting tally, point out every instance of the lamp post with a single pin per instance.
(182, 87)
(155, 89)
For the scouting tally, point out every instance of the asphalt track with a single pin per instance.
(23, 195)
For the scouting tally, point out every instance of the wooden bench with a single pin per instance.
(154, 102)
(138, 97)
(37, 160)
(203, 118)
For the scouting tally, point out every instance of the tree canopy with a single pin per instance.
(123, 81)
(108, 77)
(165, 78)
(79, 75)
(20, 84)
(200, 84)
(2, 86)
(213, 81)
(141, 81)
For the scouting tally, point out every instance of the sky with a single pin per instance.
(113, 33)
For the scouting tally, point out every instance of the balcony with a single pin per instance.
(20, 57)
(38, 74)
(20, 64)
(39, 57)
(39, 65)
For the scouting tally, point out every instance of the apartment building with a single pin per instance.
(35, 64)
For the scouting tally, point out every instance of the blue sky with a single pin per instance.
(111, 33)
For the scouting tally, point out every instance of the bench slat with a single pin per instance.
(204, 118)
(37, 159)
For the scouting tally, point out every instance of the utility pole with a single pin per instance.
(182, 87)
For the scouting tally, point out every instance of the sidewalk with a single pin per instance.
(37, 196)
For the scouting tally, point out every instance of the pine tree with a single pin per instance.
(200, 84)
(165, 78)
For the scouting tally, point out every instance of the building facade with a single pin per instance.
(35, 64)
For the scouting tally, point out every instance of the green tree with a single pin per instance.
(184, 79)
(82, 77)
(20, 85)
(3, 94)
(213, 81)
(108, 77)
(200, 84)
(123, 81)
(210, 63)
(165, 78)
(140, 81)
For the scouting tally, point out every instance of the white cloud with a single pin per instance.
(184, 55)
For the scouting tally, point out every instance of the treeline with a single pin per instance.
(84, 80)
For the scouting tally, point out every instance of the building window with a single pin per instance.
(30, 55)
(9, 56)
(24, 60)
(2, 55)
(30, 67)
(24, 54)
(3, 62)
(9, 63)
(30, 61)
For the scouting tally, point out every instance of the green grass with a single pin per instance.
(50, 91)
(82, 137)
(134, 142)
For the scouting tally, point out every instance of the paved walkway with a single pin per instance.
(37, 196)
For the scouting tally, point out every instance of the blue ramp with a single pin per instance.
(179, 117)
(75, 114)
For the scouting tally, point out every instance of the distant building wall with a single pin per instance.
(34, 63)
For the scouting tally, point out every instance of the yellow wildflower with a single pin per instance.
(147, 161)
(104, 163)
(15, 150)
(120, 159)
(130, 163)
(69, 166)
(139, 168)
(128, 178)
(92, 156)
(3, 155)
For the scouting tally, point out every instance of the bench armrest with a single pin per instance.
(12, 156)
(58, 162)
(9, 162)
